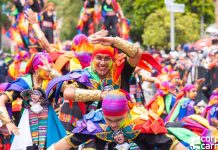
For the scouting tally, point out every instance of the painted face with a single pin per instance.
(35, 98)
(115, 122)
(119, 138)
(176, 81)
(200, 109)
(192, 93)
(102, 64)
(43, 74)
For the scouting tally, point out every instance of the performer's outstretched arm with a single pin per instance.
(145, 78)
(31, 17)
(4, 116)
(133, 51)
(83, 95)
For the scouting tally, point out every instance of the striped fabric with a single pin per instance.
(38, 127)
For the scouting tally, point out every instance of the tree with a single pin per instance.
(68, 11)
(138, 10)
(157, 28)
(3, 19)
(200, 7)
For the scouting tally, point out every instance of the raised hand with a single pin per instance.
(200, 81)
(46, 65)
(12, 128)
(101, 33)
(30, 16)
(106, 41)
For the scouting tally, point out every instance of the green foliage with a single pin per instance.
(4, 1)
(68, 11)
(138, 11)
(200, 7)
(4, 20)
(157, 28)
(187, 28)
(156, 31)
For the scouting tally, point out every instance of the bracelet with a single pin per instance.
(9, 95)
(38, 31)
(84, 95)
(174, 145)
(67, 139)
(4, 116)
(174, 141)
(128, 48)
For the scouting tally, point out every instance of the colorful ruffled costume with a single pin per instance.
(88, 78)
(183, 107)
(211, 111)
(192, 131)
(83, 49)
(80, 57)
(18, 67)
(89, 18)
(138, 131)
(55, 130)
(163, 101)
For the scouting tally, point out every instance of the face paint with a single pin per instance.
(115, 122)
(43, 74)
(102, 64)
(125, 121)
(176, 81)
(110, 63)
(192, 94)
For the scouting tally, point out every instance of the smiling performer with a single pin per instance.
(107, 71)
(117, 132)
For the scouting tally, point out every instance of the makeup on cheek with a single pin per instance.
(193, 95)
(125, 121)
(94, 63)
(110, 63)
(44, 74)
(122, 123)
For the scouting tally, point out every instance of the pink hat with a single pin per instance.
(115, 103)
(35, 61)
(188, 87)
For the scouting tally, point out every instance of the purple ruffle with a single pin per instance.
(87, 127)
(90, 123)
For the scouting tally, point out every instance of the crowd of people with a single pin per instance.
(104, 92)
(103, 14)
